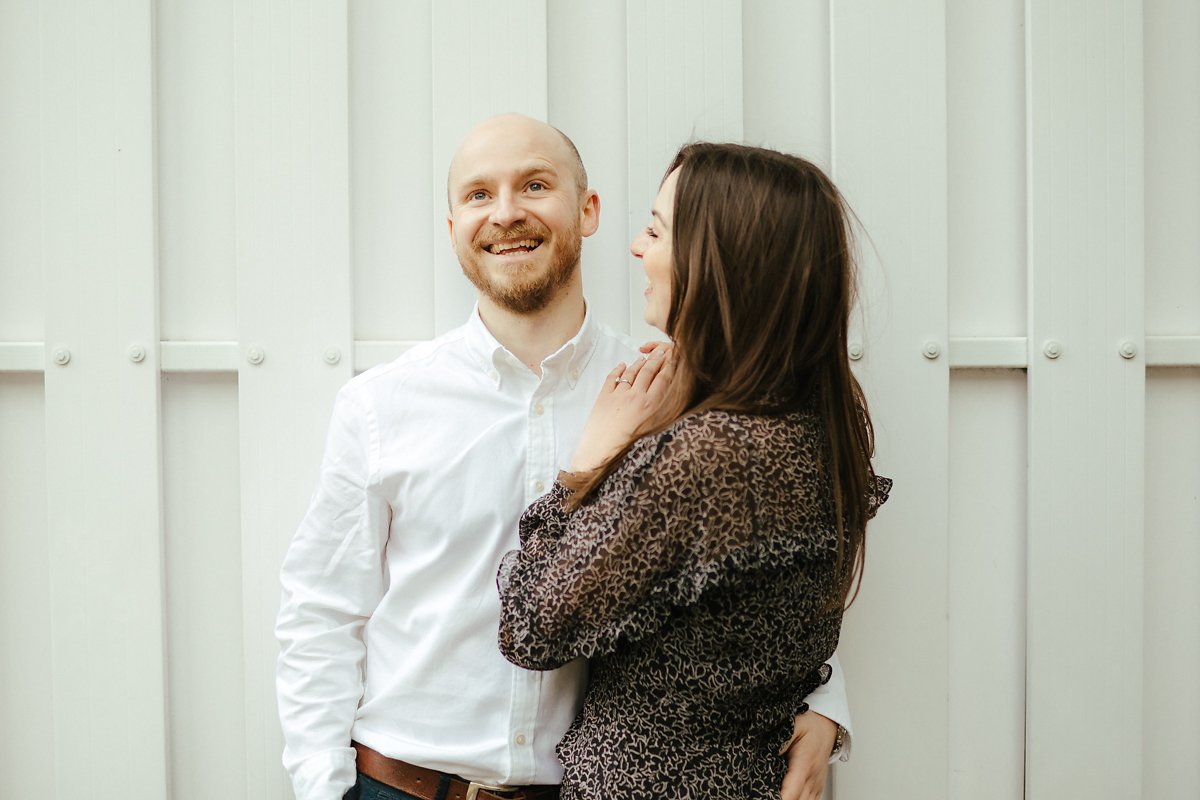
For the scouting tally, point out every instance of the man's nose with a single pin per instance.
(507, 209)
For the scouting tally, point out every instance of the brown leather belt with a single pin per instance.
(423, 783)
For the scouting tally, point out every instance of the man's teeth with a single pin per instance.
(505, 247)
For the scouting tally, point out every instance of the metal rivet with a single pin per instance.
(1128, 349)
(137, 353)
(255, 355)
(1052, 349)
(332, 355)
(61, 356)
(931, 350)
(855, 350)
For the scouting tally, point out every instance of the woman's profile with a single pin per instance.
(710, 532)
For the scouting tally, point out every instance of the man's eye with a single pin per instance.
(537, 186)
(480, 195)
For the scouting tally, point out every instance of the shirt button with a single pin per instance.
(538, 486)
(574, 374)
(494, 375)
(538, 409)
(519, 738)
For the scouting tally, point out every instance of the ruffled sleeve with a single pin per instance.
(542, 524)
(879, 496)
(676, 518)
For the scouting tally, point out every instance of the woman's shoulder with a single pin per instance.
(742, 428)
(723, 440)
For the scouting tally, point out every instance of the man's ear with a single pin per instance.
(589, 213)
(450, 228)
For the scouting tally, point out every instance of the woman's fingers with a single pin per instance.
(634, 369)
(649, 370)
(613, 377)
(643, 373)
(665, 373)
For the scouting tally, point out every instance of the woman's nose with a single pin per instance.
(636, 246)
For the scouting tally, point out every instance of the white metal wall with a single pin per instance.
(212, 213)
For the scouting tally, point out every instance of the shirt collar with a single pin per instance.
(493, 359)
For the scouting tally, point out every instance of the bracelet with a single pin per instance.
(839, 741)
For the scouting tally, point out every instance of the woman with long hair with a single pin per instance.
(710, 532)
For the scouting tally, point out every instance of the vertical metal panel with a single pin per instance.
(1172, 51)
(21, 304)
(26, 762)
(102, 422)
(786, 77)
(293, 250)
(985, 97)
(195, 130)
(685, 83)
(889, 157)
(1172, 536)
(478, 70)
(985, 86)
(393, 223)
(27, 755)
(586, 57)
(1172, 634)
(202, 554)
(986, 579)
(1086, 411)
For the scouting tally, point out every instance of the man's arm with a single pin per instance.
(332, 580)
(830, 701)
(810, 750)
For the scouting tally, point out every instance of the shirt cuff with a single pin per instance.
(829, 700)
(327, 775)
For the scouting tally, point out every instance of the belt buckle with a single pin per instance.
(473, 789)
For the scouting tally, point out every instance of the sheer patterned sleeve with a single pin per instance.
(542, 524)
(651, 539)
(879, 496)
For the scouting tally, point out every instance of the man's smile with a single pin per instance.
(512, 247)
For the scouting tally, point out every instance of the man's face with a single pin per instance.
(517, 217)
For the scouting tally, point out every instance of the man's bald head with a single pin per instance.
(545, 138)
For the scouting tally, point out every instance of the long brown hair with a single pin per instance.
(763, 282)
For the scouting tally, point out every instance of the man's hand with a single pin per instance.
(808, 757)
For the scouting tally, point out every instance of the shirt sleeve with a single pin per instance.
(830, 701)
(332, 579)
(675, 519)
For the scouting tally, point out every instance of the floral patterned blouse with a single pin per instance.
(698, 582)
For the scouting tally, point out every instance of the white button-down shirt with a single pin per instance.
(390, 611)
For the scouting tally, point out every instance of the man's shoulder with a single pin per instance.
(611, 341)
(415, 363)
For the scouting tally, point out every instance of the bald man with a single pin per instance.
(390, 682)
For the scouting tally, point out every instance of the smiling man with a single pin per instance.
(390, 681)
(518, 215)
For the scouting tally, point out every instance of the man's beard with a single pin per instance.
(529, 291)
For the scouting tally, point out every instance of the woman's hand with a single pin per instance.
(808, 757)
(629, 396)
(650, 347)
